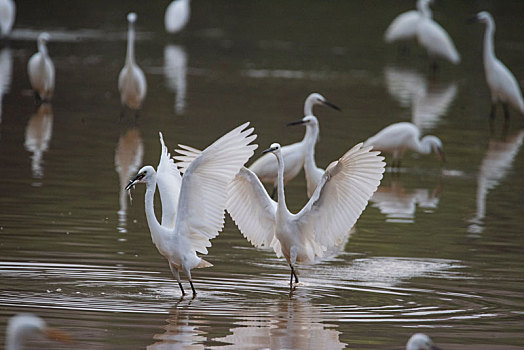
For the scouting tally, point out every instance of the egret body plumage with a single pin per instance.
(41, 70)
(501, 82)
(131, 80)
(266, 167)
(199, 214)
(420, 341)
(404, 26)
(23, 326)
(177, 15)
(396, 138)
(336, 204)
(7, 17)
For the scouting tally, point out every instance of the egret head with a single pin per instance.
(482, 17)
(144, 175)
(420, 341)
(435, 146)
(131, 17)
(23, 326)
(274, 148)
(307, 120)
(44, 37)
(316, 99)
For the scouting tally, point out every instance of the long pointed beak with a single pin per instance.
(134, 181)
(270, 149)
(472, 19)
(298, 122)
(59, 335)
(329, 104)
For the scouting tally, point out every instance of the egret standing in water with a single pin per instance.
(41, 71)
(420, 341)
(396, 138)
(501, 82)
(21, 327)
(266, 167)
(434, 38)
(336, 204)
(404, 26)
(131, 81)
(199, 215)
(7, 17)
(177, 15)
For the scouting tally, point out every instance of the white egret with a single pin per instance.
(328, 216)
(420, 341)
(199, 215)
(41, 70)
(23, 326)
(131, 80)
(266, 167)
(501, 82)
(404, 26)
(177, 15)
(396, 138)
(7, 17)
(434, 38)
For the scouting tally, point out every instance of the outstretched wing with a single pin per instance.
(341, 196)
(169, 182)
(251, 208)
(203, 194)
(187, 155)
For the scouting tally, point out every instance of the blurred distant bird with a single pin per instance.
(23, 326)
(199, 215)
(404, 26)
(501, 82)
(131, 81)
(341, 196)
(420, 341)
(177, 15)
(396, 138)
(41, 70)
(266, 167)
(7, 17)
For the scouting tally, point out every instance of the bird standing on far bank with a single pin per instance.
(41, 71)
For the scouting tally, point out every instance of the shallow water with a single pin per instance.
(437, 250)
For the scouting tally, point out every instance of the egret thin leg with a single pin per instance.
(193, 288)
(177, 275)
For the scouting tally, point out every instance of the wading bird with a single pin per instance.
(501, 82)
(41, 71)
(199, 215)
(396, 138)
(328, 216)
(177, 15)
(266, 167)
(131, 80)
(23, 326)
(420, 341)
(7, 17)
(404, 26)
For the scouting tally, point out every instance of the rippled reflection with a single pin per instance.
(428, 100)
(494, 167)
(37, 136)
(128, 157)
(400, 205)
(175, 71)
(292, 324)
(6, 71)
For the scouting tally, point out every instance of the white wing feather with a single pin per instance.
(169, 182)
(251, 208)
(341, 196)
(188, 154)
(203, 193)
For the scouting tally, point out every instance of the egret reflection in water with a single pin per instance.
(128, 157)
(175, 71)
(400, 204)
(6, 72)
(428, 100)
(495, 165)
(37, 136)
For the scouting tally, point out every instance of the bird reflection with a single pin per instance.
(175, 71)
(128, 157)
(400, 205)
(294, 324)
(494, 167)
(37, 136)
(6, 71)
(428, 100)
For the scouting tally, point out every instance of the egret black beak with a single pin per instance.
(134, 181)
(329, 104)
(270, 149)
(298, 122)
(472, 19)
